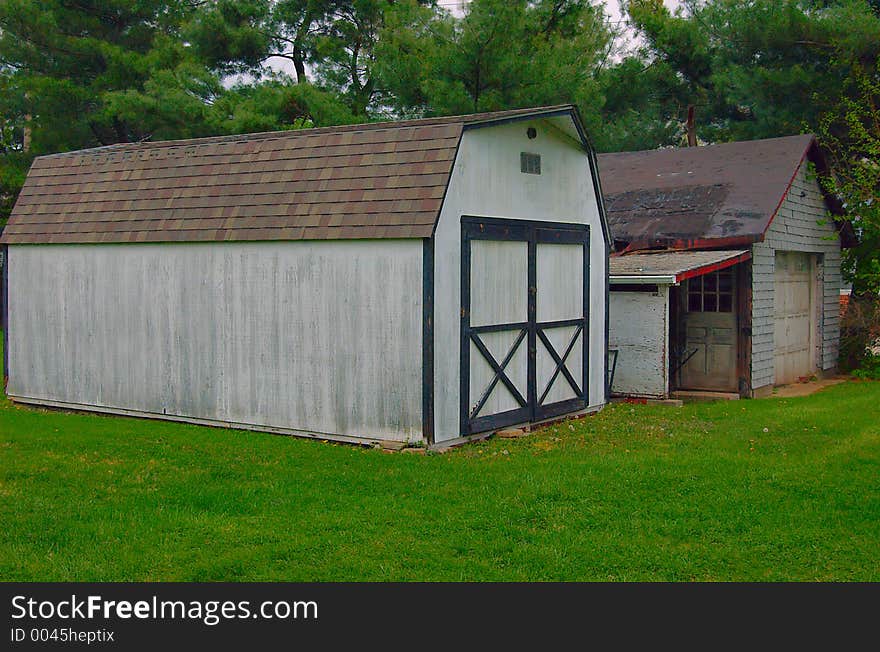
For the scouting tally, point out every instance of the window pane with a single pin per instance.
(710, 282)
(710, 303)
(725, 282)
(695, 284)
(725, 303)
(694, 303)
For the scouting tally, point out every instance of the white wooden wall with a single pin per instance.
(640, 331)
(487, 182)
(320, 337)
(796, 227)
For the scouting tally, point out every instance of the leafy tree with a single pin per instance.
(851, 134)
(14, 160)
(765, 68)
(501, 54)
(96, 73)
(81, 74)
(761, 68)
(644, 105)
(346, 52)
(330, 43)
(276, 104)
(243, 35)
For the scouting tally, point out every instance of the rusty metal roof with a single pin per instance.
(670, 267)
(379, 180)
(714, 196)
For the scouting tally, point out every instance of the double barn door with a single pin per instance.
(524, 321)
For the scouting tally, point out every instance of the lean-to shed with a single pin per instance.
(417, 281)
(728, 275)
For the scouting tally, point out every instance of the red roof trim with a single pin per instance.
(788, 188)
(712, 267)
(690, 244)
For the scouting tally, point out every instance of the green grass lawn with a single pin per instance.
(777, 489)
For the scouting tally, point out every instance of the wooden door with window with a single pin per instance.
(710, 332)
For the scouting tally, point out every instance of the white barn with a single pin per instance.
(418, 282)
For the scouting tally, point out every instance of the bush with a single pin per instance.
(859, 331)
(869, 369)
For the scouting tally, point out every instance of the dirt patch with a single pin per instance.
(805, 389)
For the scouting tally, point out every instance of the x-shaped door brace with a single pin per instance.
(560, 362)
(499, 371)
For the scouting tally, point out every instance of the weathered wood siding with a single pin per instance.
(639, 330)
(487, 182)
(497, 270)
(559, 278)
(800, 225)
(320, 337)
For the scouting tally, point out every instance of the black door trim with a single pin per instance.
(530, 407)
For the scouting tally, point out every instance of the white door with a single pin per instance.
(794, 300)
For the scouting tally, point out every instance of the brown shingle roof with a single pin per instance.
(724, 194)
(380, 180)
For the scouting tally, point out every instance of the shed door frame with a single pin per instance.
(530, 332)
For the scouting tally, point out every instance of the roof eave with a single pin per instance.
(813, 152)
(550, 112)
(844, 227)
(642, 279)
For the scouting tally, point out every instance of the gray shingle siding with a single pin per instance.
(796, 227)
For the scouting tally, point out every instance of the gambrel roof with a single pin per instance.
(379, 180)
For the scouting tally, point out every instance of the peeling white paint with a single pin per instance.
(323, 336)
(639, 328)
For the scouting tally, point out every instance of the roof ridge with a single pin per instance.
(465, 119)
(709, 146)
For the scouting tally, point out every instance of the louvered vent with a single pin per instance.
(530, 163)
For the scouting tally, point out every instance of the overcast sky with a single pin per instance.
(612, 7)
